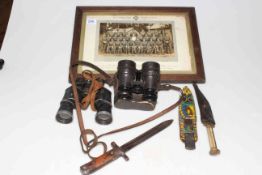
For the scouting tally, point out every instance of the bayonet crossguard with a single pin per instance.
(117, 151)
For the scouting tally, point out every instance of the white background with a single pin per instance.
(37, 53)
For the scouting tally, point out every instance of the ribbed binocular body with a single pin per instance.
(136, 89)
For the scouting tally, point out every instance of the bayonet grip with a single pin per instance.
(103, 160)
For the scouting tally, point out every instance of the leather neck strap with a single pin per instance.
(107, 78)
(153, 117)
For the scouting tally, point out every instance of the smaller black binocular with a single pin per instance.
(102, 103)
(136, 89)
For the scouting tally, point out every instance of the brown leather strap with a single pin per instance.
(108, 79)
(95, 86)
(83, 131)
(151, 118)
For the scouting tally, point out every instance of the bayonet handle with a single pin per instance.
(103, 160)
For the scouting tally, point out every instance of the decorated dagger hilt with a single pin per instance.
(207, 119)
(187, 120)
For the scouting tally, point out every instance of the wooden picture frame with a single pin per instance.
(167, 35)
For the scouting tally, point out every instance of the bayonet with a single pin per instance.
(117, 151)
(207, 119)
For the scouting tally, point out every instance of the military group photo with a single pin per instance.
(136, 39)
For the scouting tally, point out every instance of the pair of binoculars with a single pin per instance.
(103, 103)
(136, 89)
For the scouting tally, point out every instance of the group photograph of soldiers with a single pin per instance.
(136, 39)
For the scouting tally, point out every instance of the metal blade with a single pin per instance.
(141, 138)
(207, 117)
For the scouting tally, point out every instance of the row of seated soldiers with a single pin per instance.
(136, 43)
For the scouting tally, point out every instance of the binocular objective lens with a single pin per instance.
(103, 106)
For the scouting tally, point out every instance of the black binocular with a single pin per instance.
(102, 103)
(136, 89)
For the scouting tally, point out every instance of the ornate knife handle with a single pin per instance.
(212, 142)
(103, 160)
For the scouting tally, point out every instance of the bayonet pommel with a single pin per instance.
(103, 160)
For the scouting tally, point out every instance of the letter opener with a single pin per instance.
(207, 119)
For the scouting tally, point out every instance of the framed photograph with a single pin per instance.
(167, 35)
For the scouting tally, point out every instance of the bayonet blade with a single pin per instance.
(117, 151)
(141, 138)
